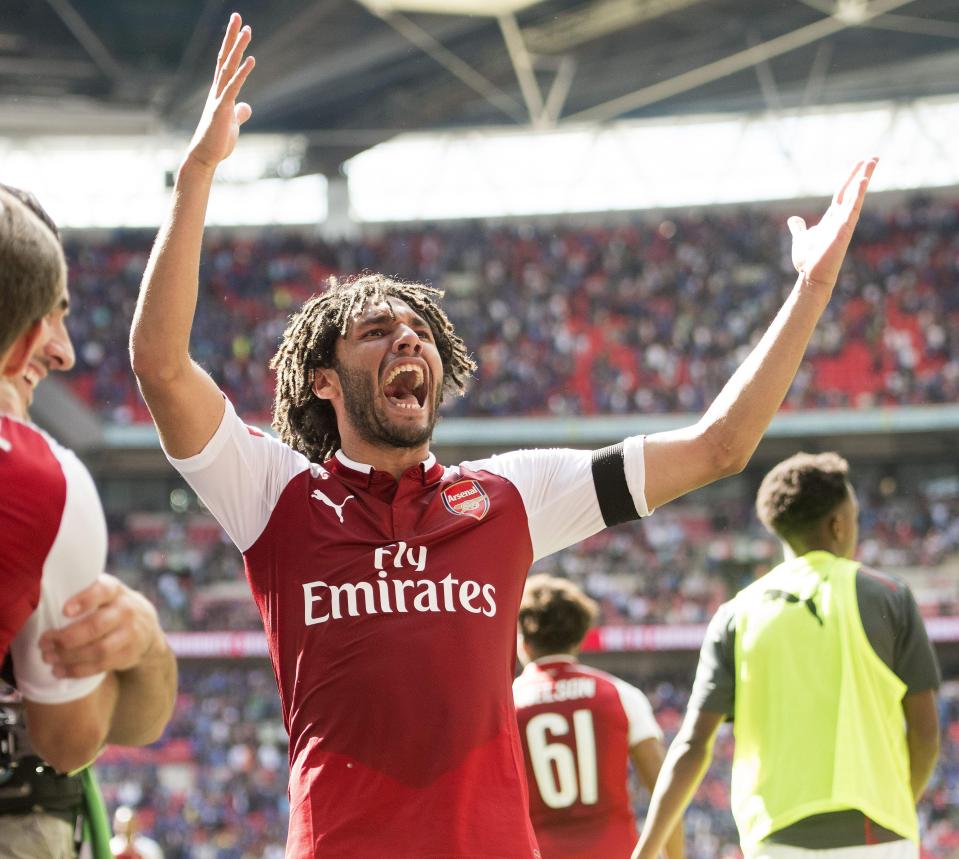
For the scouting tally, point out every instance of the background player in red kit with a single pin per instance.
(389, 585)
(578, 727)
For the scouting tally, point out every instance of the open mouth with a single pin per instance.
(33, 375)
(405, 386)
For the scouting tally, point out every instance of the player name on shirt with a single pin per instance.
(572, 689)
(325, 602)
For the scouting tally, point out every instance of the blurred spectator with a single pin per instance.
(128, 842)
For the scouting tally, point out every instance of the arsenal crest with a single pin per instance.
(466, 498)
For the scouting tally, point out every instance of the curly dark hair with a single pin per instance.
(554, 614)
(800, 491)
(303, 420)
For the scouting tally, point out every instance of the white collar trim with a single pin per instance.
(556, 657)
(427, 463)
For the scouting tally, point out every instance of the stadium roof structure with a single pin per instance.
(347, 74)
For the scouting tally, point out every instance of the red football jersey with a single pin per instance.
(34, 493)
(390, 610)
(52, 530)
(577, 725)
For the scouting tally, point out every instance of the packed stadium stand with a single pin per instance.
(650, 315)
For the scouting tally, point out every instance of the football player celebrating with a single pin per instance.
(389, 584)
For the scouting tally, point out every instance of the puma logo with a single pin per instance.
(809, 602)
(337, 508)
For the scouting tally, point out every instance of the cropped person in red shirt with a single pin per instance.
(579, 727)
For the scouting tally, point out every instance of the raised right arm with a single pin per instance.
(185, 402)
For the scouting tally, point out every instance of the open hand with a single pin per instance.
(219, 126)
(116, 628)
(818, 252)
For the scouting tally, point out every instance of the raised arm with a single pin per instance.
(722, 442)
(185, 402)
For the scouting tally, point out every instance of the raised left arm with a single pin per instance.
(724, 439)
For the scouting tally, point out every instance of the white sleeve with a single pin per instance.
(559, 493)
(35, 679)
(74, 562)
(240, 475)
(634, 464)
(639, 712)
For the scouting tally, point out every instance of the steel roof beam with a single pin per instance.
(598, 19)
(456, 66)
(916, 26)
(523, 66)
(737, 62)
(90, 41)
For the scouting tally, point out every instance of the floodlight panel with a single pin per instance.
(653, 164)
(486, 8)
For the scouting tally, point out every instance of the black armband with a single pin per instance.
(609, 477)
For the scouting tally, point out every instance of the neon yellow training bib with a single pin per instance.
(819, 725)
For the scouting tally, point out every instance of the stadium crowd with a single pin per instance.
(651, 315)
(215, 786)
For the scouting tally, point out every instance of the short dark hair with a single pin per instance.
(554, 614)
(800, 491)
(303, 420)
(32, 267)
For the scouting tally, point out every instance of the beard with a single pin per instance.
(371, 424)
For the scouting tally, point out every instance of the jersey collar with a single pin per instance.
(555, 657)
(428, 471)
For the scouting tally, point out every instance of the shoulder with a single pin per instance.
(723, 622)
(27, 451)
(519, 466)
(236, 443)
(877, 591)
(718, 649)
(869, 580)
(597, 674)
(38, 470)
